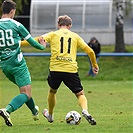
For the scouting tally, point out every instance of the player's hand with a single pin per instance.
(42, 41)
(95, 70)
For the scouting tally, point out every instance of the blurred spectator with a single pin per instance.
(96, 46)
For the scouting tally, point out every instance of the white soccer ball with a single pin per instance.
(73, 118)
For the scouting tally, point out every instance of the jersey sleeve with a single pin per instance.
(91, 55)
(47, 37)
(88, 51)
(81, 42)
(23, 32)
(26, 36)
(35, 44)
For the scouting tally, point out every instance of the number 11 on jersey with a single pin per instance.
(62, 43)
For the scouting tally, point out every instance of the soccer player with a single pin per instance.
(12, 61)
(63, 66)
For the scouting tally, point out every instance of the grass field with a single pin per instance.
(109, 95)
(110, 103)
(111, 68)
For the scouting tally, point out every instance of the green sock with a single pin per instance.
(9, 108)
(16, 102)
(31, 105)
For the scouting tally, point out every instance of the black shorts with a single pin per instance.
(71, 80)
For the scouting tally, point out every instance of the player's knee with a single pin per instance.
(28, 94)
(26, 90)
(79, 93)
(52, 90)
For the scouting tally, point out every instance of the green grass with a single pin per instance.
(104, 48)
(111, 68)
(110, 102)
(109, 95)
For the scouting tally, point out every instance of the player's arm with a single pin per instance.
(25, 43)
(37, 42)
(92, 57)
(89, 52)
(47, 37)
(40, 44)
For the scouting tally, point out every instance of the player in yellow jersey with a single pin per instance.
(63, 66)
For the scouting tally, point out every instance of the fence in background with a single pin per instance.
(90, 18)
(84, 54)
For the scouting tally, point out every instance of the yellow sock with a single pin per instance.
(51, 102)
(82, 102)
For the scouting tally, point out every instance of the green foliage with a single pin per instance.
(128, 7)
(19, 6)
(110, 103)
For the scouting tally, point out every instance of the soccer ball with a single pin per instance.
(73, 118)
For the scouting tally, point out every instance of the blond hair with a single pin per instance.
(64, 20)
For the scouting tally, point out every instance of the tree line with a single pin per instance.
(123, 7)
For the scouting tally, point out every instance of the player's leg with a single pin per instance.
(51, 100)
(54, 81)
(72, 81)
(16, 102)
(19, 100)
(23, 80)
(34, 109)
(51, 104)
(30, 102)
(82, 100)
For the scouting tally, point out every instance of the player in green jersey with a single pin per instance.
(63, 66)
(12, 61)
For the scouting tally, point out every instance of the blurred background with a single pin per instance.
(110, 21)
(90, 17)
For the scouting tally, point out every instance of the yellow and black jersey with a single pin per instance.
(64, 44)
